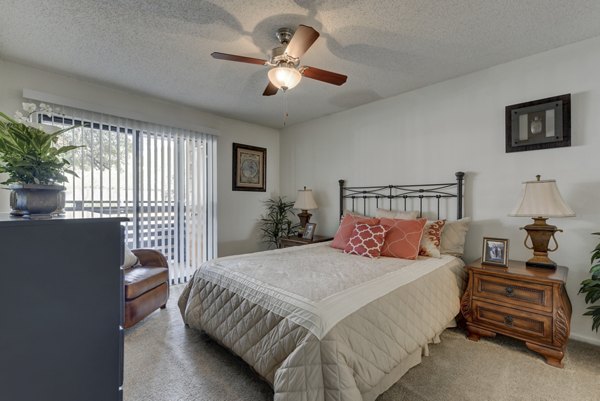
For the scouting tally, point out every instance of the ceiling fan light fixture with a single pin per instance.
(284, 61)
(284, 76)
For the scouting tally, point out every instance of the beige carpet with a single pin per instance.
(164, 361)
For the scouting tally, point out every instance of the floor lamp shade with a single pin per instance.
(541, 199)
(305, 202)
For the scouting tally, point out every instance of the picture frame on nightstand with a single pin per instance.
(309, 231)
(495, 251)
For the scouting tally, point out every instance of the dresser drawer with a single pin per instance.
(513, 292)
(513, 321)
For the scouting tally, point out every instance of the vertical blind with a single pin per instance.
(161, 178)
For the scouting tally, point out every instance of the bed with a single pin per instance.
(318, 324)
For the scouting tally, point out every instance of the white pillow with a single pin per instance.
(453, 237)
(350, 212)
(396, 214)
(129, 258)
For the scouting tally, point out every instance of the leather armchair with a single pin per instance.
(146, 286)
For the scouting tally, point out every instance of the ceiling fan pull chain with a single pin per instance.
(285, 112)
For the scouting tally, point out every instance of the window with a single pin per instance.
(161, 178)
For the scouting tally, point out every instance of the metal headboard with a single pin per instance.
(425, 191)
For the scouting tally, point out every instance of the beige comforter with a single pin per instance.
(321, 325)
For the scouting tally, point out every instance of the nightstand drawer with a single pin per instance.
(513, 321)
(530, 304)
(513, 292)
(286, 243)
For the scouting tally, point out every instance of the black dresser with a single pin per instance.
(60, 309)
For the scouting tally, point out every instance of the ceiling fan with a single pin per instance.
(285, 72)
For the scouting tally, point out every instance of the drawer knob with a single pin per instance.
(509, 291)
(508, 320)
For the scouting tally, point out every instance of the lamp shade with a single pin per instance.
(541, 198)
(284, 76)
(305, 200)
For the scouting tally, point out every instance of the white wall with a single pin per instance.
(428, 134)
(237, 211)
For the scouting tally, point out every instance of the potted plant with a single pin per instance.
(591, 288)
(276, 223)
(35, 166)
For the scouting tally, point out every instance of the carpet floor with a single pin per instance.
(165, 361)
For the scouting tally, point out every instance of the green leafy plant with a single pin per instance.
(276, 223)
(28, 154)
(591, 288)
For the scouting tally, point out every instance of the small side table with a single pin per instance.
(527, 303)
(298, 241)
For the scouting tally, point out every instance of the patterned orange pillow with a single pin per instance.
(403, 239)
(344, 232)
(432, 235)
(366, 240)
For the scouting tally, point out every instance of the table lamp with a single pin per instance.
(305, 202)
(540, 199)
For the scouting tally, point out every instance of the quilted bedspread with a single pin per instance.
(321, 325)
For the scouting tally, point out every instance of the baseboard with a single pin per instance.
(589, 340)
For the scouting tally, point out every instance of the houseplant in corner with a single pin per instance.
(276, 223)
(591, 288)
(35, 166)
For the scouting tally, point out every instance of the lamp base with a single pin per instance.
(304, 217)
(546, 263)
(540, 233)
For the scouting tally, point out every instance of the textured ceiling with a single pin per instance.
(162, 47)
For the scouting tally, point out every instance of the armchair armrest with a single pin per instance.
(151, 258)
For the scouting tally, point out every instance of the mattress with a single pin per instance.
(318, 324)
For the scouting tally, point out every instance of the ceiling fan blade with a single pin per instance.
(324, 76)
(302, 40)
(270, 90)
(241, 59)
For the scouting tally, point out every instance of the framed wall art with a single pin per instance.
(540, 124)
(495, 252)
(249, 168)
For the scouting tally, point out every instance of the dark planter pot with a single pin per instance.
(36, 200)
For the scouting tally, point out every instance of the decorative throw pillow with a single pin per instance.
(396, 214)
(366, 240)
(432, 238)
(344, 232)
(129, 258)
(348, 211)
(453, 237)
(404, 237)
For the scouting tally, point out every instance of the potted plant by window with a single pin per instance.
(591, 288)
(35, 166)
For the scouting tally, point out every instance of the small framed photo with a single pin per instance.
(249, 168)
(309, 231)
(495, 251)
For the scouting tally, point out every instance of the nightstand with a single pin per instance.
(297, 241)
(527, 303)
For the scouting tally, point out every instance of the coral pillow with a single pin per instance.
(432, 238)
(344, 232)
(403, 239)
(366, 240)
